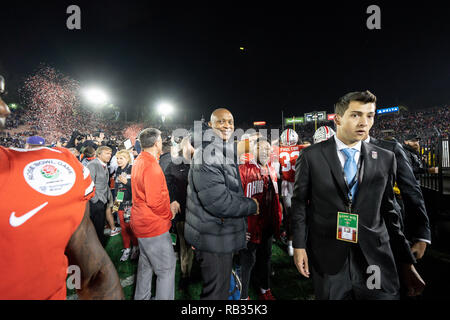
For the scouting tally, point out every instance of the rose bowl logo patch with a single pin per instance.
(49, 171)
(52, 177)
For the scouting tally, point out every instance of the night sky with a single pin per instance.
(297, 58)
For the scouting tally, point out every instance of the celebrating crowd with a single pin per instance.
(426, 123)
(226, 199)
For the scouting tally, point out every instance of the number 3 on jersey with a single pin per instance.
(288, 160)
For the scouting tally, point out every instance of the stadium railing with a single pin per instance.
(436, 153)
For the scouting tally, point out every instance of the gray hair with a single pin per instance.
(148, 137)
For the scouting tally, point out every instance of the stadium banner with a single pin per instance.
(388, 110)
(330, 116)
(259, 123)
(291, 121)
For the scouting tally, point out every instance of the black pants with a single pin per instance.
(287, 221)
(258, 256)
(350, 283)
(98, 217)
(216, 274)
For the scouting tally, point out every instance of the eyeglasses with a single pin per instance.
(2, 85)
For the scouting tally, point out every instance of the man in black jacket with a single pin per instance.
(412, 148)
(415, 222)
(216, 206)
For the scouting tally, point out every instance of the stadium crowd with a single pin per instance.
(425, 123)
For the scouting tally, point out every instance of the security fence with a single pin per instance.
(436, 154)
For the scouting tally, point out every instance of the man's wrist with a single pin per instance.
(421, 240)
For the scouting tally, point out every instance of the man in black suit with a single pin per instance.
(415, 222)
(344, 180)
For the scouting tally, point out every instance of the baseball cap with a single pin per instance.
(36, 140)
(412, 137)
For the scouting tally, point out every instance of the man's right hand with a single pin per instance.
(418, 249)
(175, 208)
(412, 280)
(257, 206)
(301, 261)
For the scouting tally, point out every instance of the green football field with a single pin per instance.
(287, 283)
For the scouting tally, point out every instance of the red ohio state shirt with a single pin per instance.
(260, 183)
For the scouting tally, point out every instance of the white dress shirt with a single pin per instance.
(102, 163)
(340, 145)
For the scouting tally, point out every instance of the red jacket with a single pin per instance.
(150, 213)
(256, 181)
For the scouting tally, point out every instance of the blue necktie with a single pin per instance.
(350, 168)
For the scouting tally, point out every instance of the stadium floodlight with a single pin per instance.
(165, 109)
(96, 96)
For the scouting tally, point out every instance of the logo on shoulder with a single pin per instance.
(50, 172)
(52, 177)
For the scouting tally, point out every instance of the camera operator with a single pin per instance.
(76, 140)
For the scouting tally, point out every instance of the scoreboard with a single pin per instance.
(312, 116)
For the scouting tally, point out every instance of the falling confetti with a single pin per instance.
(132, 131)
(54, 102)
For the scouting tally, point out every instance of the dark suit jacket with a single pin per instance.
(416, 222)
(164, 161)
(319, 193)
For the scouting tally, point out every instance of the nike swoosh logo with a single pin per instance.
(18, 221)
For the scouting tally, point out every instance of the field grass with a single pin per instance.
(287, 283)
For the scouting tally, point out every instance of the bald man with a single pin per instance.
(222, 123)
(216, 206)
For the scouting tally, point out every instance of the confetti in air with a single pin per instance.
(132, 131)
(54, 101)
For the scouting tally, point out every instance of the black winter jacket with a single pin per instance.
(177, 180)
(216, 207)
